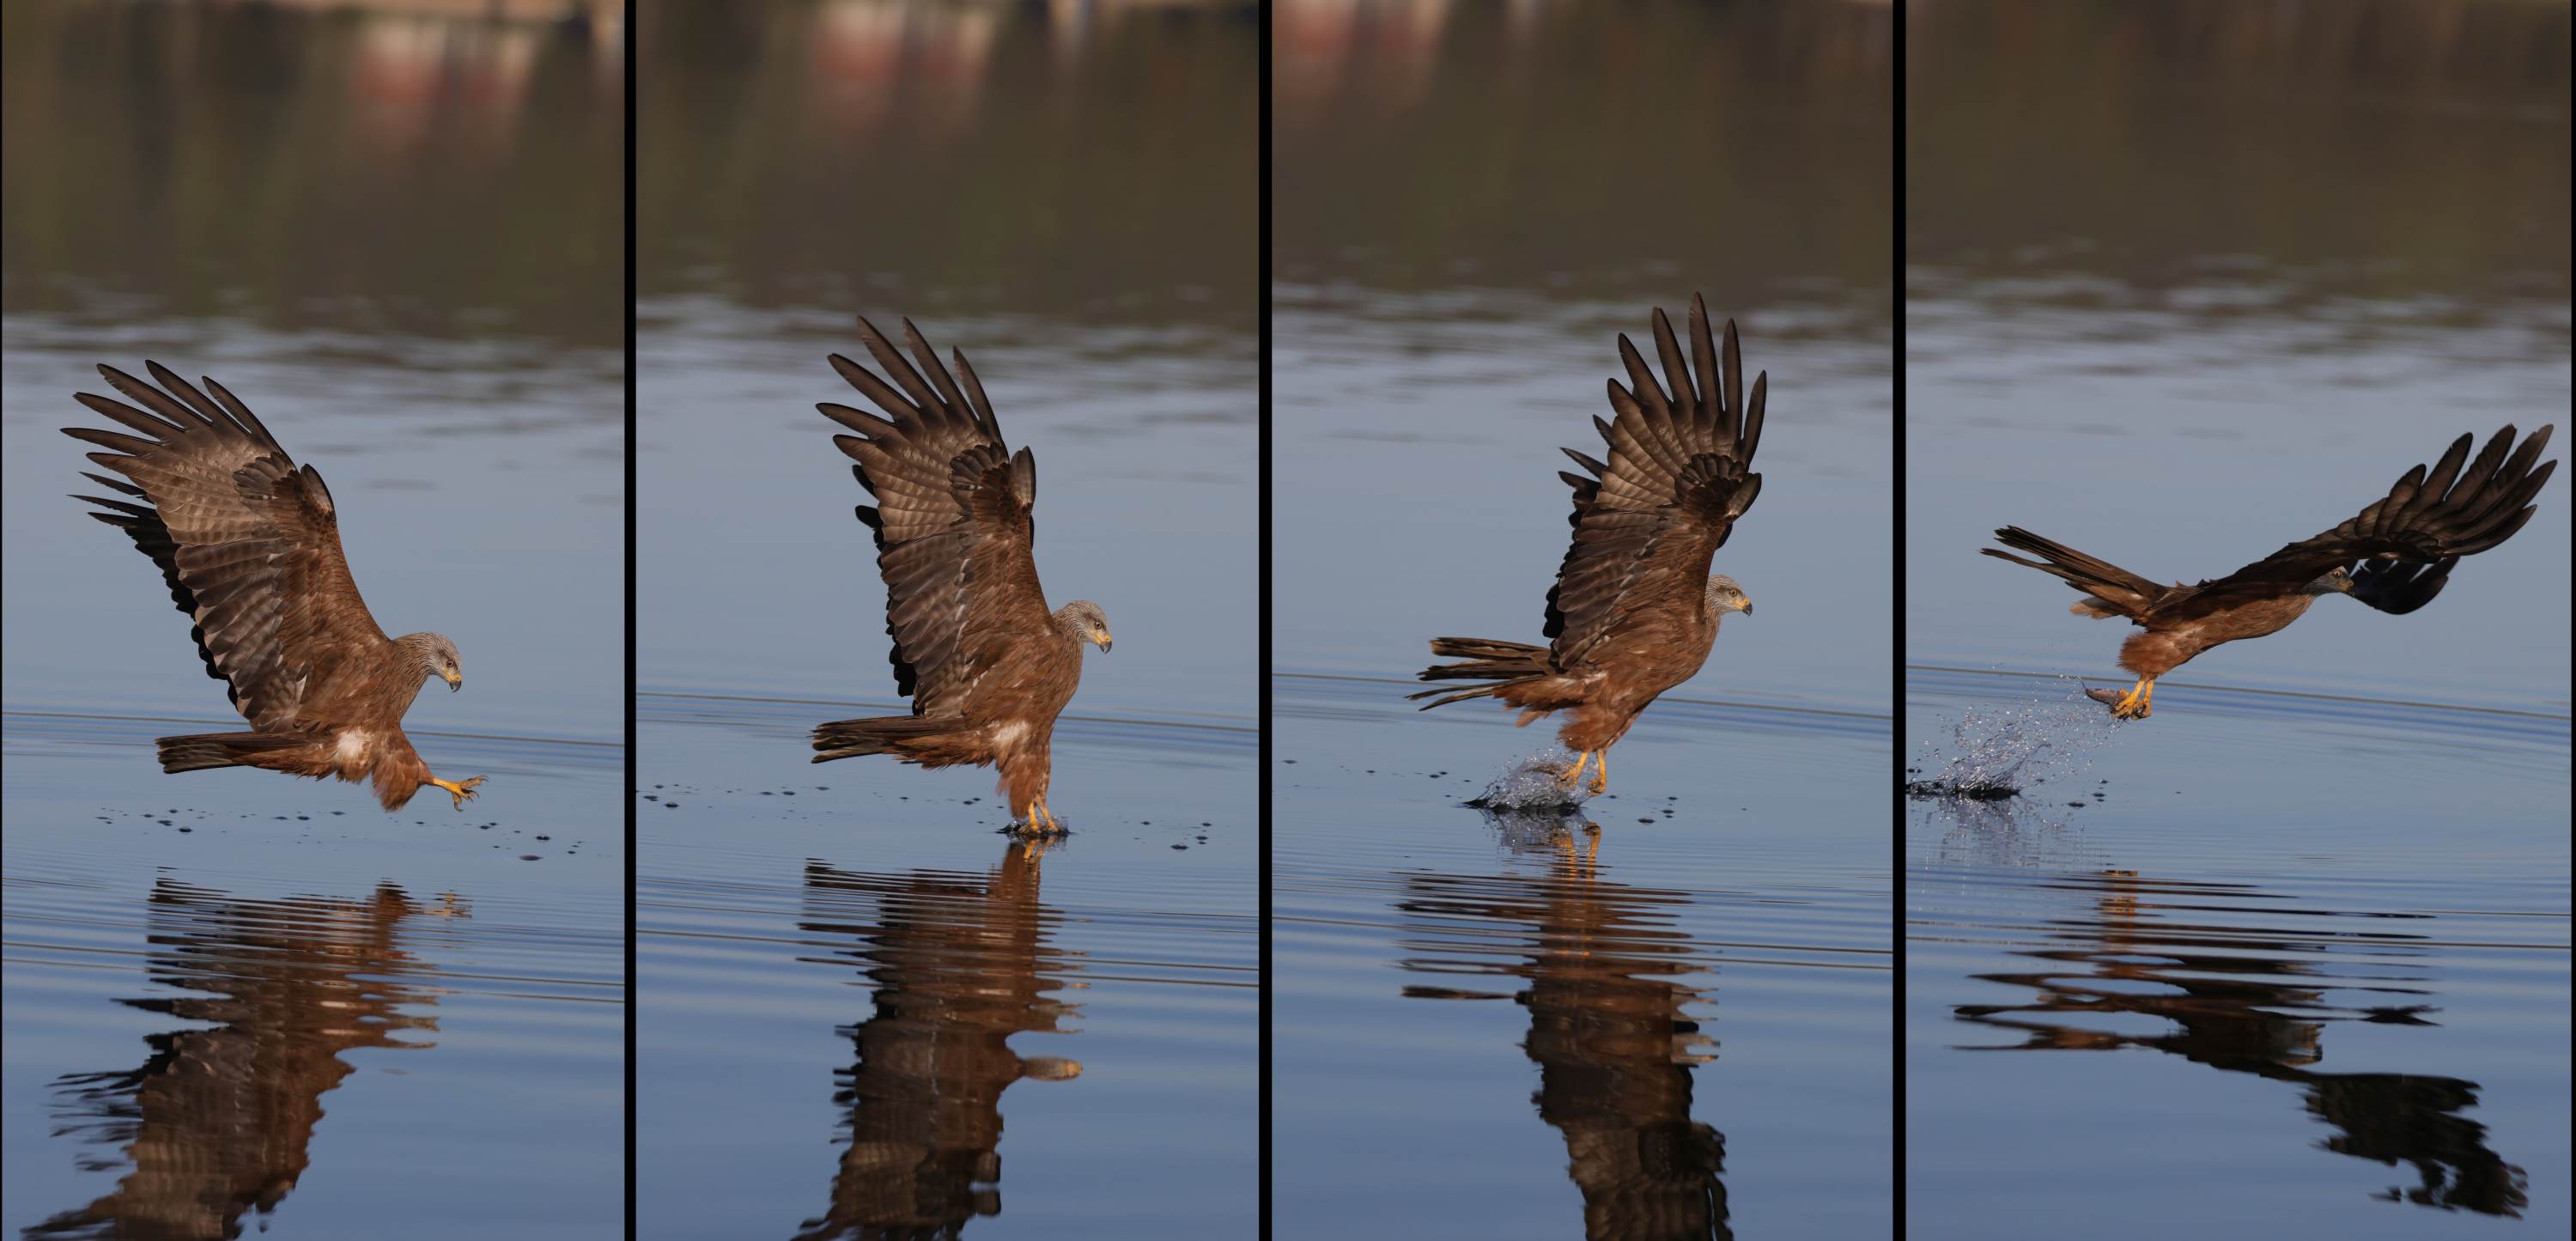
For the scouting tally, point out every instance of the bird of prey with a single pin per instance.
(986, 664)
(2395, 556)
(249, 544)
(1635, 608)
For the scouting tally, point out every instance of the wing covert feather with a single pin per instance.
(247, 541)
(952, 519)
(1649, 519)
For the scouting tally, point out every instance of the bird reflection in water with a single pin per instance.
(958, 963)
(217, 1121)
(1609, 1027)
(2257, 1001)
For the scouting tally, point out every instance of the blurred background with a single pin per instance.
(1069, 193)
(1471, 202)
(396, 231)
(2186, 282)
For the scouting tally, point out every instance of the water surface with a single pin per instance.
(1665, 1015)
(239, 1002)
(844, 972)
(2320, 998)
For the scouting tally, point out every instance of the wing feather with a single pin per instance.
(952, 519)
(2400, 548)
(1648, 520)
(247, 542)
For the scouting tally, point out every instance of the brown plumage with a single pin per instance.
(1635, 609)
(987, 666)
(249, 544)
(2395, 556)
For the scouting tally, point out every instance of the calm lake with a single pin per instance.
(861, 1011)
(237, 1001)
(2312, 916)
(1678, 1024)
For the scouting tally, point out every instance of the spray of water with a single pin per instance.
(1996, 753)
(1533, 785)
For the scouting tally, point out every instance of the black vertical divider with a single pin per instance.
(628, 30)
(1896, 671)
(1263, 672)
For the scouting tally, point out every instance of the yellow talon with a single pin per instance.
(1601, 774)
(463, 792)
(1574, 776)
(2137, 703)
(1036, 818)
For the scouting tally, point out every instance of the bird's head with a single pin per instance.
(2336, 581)
(1083, 621)
(1725, 596)
(437, 657)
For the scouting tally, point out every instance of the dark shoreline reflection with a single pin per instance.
(1095, 162)
(957, 963)
(2234, 161)
(1609, 1028)
(217, 1123)
(2256, 1000)
(254, 161)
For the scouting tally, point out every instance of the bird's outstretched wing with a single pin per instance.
(951, 519)
(248, 542)
(1647, 521)
(2400, 549)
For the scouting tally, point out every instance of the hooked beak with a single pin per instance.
(1103, 640)
(455, 683)
(1747, 609)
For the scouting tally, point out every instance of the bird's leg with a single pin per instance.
(1601, 773)
(462, 792)
(2133, 705)
(1038, 810)
(1574, 776)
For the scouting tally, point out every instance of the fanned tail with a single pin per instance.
(2109, 590)
(1500, 664)
(207, 751)
(891, 734)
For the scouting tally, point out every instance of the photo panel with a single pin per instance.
(2228, 319)
(249, 249)
(1519, 988)
(913, 828)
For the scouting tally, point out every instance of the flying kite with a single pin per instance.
(988, 667)
(1635, 608)
(249, 544)
(2395, 556)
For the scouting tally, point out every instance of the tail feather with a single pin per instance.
(207, 751)
(1500, 664)
(883, 735)
(2109, 589)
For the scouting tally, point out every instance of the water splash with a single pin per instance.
(1997, 753)
(1533, 785)
(1546, 830)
